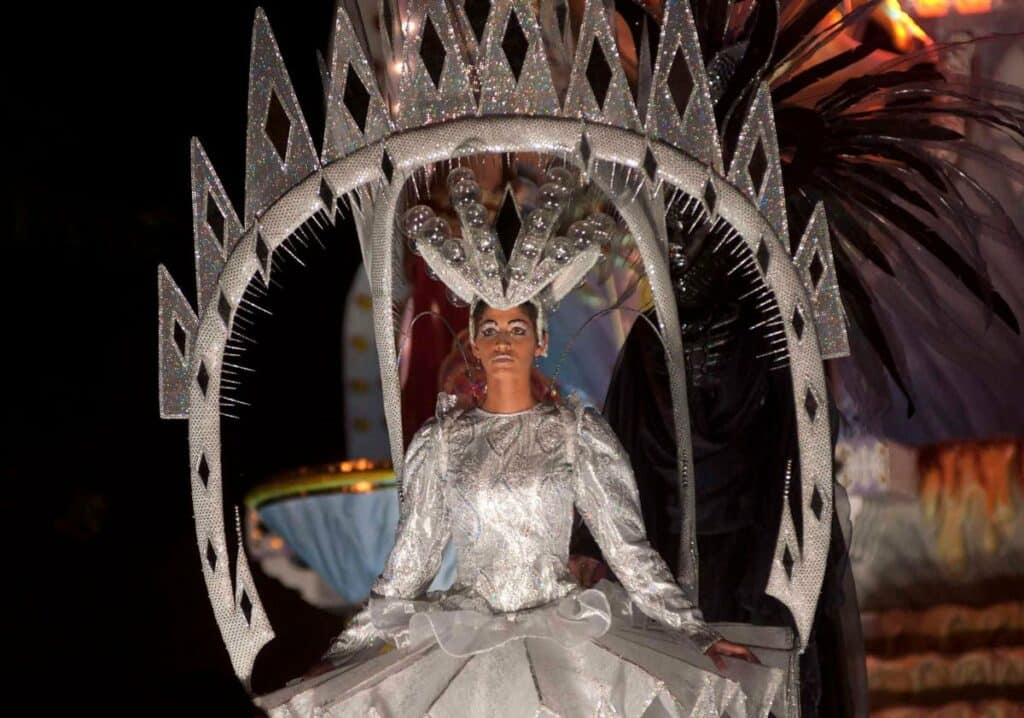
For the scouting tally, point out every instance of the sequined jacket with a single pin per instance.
(502, 488)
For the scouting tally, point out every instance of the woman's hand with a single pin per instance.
(723, 647)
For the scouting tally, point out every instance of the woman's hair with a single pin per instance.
(529, 307)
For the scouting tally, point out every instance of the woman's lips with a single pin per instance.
(502, 358)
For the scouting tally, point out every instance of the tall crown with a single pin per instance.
(480, 77)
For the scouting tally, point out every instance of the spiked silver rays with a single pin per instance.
(477, 85)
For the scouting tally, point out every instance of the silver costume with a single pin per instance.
(516, 635)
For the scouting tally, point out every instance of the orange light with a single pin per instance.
(361, 487)
(973, 7)
(276, 543)
(903, 28)
(931, 8)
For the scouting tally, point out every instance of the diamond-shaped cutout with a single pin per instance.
(326, 196)
(650, 165)
(214, 219)
(798, 322)
(811, 404)
(816, 503)
(599, 74)
(758, 166)
(763, 255)
(262, 251)
(680, 82)
(246, 605)
(224, 309)
(211, 556)
(787, 562)
(356, 98)
(585, 150)
(278, 126)
(432, 52)
(203, 378)
(507, 223)
(477, 11)
(816, 268)
(180, 339)
(514, 44)
(203, 470)
(710, 197)
(386, 167)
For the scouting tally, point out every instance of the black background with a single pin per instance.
(108, 607)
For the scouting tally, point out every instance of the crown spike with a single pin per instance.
(813, 260)
(435, 82)
(356, 113)
(178, 327)
(215, 226)
(279, 150)
(515, 76)
(598, 89)
(679, 111)
(755, 166)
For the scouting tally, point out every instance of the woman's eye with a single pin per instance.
(488, 332)
(519, 331)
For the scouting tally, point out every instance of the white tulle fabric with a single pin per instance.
(515, 635)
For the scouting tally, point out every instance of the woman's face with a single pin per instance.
(506, 341)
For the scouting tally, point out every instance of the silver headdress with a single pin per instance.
(467, 88)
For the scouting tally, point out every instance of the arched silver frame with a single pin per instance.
(285, 190)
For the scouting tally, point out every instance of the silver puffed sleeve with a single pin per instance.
(607, 498)
(423, 527)
(423, 531)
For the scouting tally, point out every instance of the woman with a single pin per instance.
(516, 635)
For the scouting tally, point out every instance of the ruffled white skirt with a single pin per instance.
(578, 657)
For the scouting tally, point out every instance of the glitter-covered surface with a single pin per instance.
(342, 134)
(215, 226)
(284, 193)
(177, 329)
(267, 175)
(694, 132)
(501, 93)
(759, 132)
(595, 37)
(827, 305)
(421, 102)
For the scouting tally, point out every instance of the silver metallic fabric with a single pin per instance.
(502, 488)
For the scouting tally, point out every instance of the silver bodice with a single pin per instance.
(502, 488)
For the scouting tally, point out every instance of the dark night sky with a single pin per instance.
(105, 99)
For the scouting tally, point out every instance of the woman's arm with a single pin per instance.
(423, 532)
(607, 498)
(423, 525)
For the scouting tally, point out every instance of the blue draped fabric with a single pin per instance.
(345, 537)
